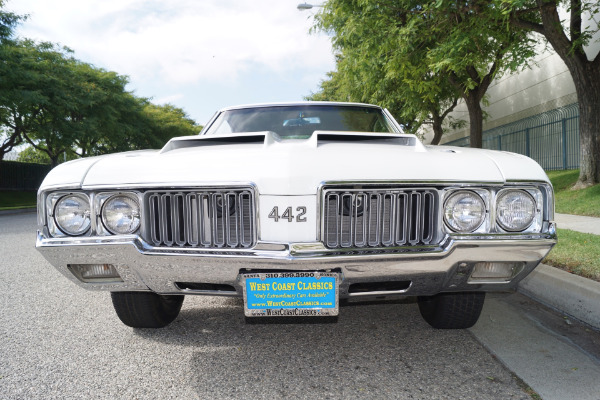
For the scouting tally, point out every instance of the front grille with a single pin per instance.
(216, 218)
(379, 218)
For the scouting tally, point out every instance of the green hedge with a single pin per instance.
(22, 176)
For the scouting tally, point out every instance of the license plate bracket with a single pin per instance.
(291, 294)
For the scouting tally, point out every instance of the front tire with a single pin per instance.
(146, 309)
(452, 310)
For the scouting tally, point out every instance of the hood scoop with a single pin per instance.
(272, 139)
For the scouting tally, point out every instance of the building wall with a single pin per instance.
(544, 86)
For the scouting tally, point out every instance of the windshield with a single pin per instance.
(302, 120)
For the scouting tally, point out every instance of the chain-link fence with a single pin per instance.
(550, 138)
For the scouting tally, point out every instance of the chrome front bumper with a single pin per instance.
(446, 268)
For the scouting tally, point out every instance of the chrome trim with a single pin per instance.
(290, 251)
(98, 201)
(390, 216)
(397, 127)
(503, 192)
(431, 271)
(484, 201)
(488, 191)
(381, 293)
(194, 218)
(168, 185)
(99, 193)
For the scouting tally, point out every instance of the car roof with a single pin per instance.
(298, 103)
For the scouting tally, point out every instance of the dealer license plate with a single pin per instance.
(291, 294)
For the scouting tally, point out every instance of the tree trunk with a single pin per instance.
(437, 131)
(586, 77)
(54, 160)
(587, 85)
(472, 100)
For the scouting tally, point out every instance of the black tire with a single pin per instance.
(452, 310)
(146, 309)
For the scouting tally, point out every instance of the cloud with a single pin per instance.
(181, 42)
(171, 99)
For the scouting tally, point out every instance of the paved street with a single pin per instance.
(60, 341)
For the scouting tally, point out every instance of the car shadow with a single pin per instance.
(379, 350)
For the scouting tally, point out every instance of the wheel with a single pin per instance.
(146, 309)
(452, 310)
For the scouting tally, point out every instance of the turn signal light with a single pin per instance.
(95, 272)
(495, 271)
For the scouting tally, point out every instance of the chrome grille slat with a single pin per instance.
(379, 217)
(214, 218)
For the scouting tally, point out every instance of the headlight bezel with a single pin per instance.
(541, 192)
(49, 199)
(103, 220)
(87, 213)
(482, 195)
(539, 202)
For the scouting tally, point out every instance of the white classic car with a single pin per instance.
(294, 207)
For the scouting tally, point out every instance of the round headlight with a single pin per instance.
(515, 210)
(464, 211)
(72, 214)
(121, 215)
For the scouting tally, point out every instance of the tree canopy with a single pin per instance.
(421, 55)
(63, 107)
(427, 52)
(569, 38)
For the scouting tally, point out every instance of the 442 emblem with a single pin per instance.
(288, 214)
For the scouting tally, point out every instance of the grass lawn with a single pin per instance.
(578, 202)
(578, 253)
(13, 199)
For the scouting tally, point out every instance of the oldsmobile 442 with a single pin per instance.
(296, 207)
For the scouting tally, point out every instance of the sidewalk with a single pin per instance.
(570, 294)
(578, 223)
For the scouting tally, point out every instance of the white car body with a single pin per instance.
(299, 174)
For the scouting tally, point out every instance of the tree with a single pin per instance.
(364, 85)
(569, 39)
(8, 21)
(34, 156)
(38, 97)
(62, 106)
(165, 122)
(424, 46)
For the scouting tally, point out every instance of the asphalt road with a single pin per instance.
(60, 341)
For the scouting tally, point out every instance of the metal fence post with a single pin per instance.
(540, 139)
(564, 142)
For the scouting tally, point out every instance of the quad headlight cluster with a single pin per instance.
(72, 214)
(507, 210)
(471, 210)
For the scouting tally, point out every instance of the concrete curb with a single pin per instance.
(571, 294)
(18, 211)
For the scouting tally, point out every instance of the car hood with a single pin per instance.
(294, 167)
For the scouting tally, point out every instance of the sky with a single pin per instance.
(200, 55)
